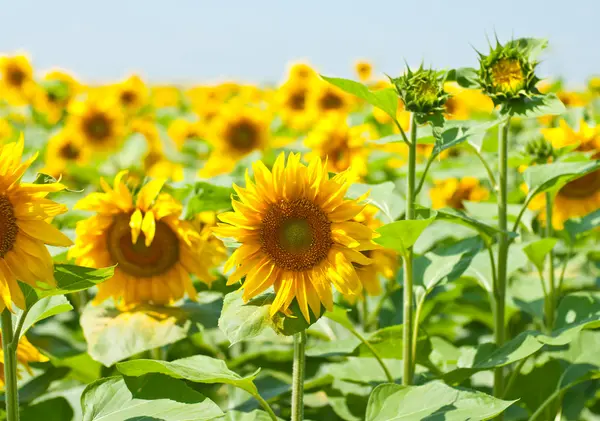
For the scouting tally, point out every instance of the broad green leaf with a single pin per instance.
(340, 315)
(42, 309)
(208, 197)
(197, 369)
(385, 99)
(579, 226)
(578, 307)
(457, 217)
(364, 370)
(256, 415)
(113, 335)
(537, 251)
(481, 268)
(531, 47)
(54, 409)
(388, 344)
(337, 347)
(384, 196)
(401, 235)
(466, 77)
(241, 321)
(536, 106)
(392, 402)
(71, 278)
(455, 132)
(487, 213)
(154, 397)
(552, 177)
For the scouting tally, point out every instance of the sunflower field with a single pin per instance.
(421, 246)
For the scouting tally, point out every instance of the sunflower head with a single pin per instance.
(508, 73)
(364, 70)
(16, 79)
(452, 192)
(99, 121)
(65, 148)
(132, 93)
(141, 232)
(422, 91)
(297, 235)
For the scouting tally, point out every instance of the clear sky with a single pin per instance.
(252, 40)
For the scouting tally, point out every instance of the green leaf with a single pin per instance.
(255, 415)
(537, 251)
(385, 99)
(241, 321)
(455, 132)
(209, 197)
(552, 177)
(113, 335)
(42, 309)
(154, 397)
(536, 106)
(466, 77)
(42, 178)
(37, 386)
(481, 268)
(457, 217)
(388, 344)
(337, 347)
(401, 235)
(392, 402)
(364, 370)
(384, 196)
(197, 369)
(55, 409)
(576, 227)
(530, 47)
(487, 213)
(71, 278)
(340, 315)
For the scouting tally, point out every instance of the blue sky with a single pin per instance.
(208, 40)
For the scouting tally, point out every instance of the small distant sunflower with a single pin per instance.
(155, 252)
(64, 148)
(181, 130)
(132, 94)
(452, 192)
(341, 146)
(99, 121)
(16, 79)
(301, 72)
(364, 70)
(291, 105)
(234, 133)
(24, 230)
(26, 353)
(206, 101)
(52, 96)
(385, 262)
(163, 96)
(297, 235)
(326, 99)
(579, 197)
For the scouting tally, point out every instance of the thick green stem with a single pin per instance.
(9, 346)
(550, 304)
(502, 261)
(407, 355)
(298, 377)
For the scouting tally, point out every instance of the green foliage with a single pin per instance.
(401, 235)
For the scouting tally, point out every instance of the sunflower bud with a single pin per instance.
(540, 151)
(422, 91)
(508, 73)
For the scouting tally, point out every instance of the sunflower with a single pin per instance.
(155, 252)
(64, 148)
(235, 133)
(53, 95)
(165, 96)
(301, 72)
(341, 146)
(325, 99)
(180, 130)
(297, 235)
(16, 79)
(132, 94)
(290, 103)
(99, 121)
(579, 197)
(26, 353)
(464, 103)
(385, 261)
(206, 101)
(6, 130)
(364, 70)
(24, 230)
(452, 192)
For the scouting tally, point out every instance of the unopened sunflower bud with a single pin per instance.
(540, 151)
(422, 91)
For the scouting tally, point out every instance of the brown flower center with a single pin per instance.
(331, 101)
(8, 226)
(15, 76)
(135, 258)
(296, 234)
(582, 187)
(69, 152)
(243, 136)
(297, 100)
(128, 97)
(97, 127)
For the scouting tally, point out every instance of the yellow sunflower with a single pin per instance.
(301, 72)
(180, 130)
(164, 96)
(297, 235)
(99, 121)
(364, 70)
(16, 79)
(290, 104)
(156, 252)
(6, 130)
(464, 103)
(64, 148)
(206, 101)
(325, 99)
(26, 353)
(341, 146)
(54, 94)
(234, 133)
(132, 94)
(579, 197)
(24, 230)
(385, 261)
(452, 192)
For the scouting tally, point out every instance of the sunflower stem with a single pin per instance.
(407, 329)
(551, 298)
(502, 261)
(11, 391)
(298, 376)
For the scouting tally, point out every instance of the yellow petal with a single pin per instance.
(149, 227)
(135, 223)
